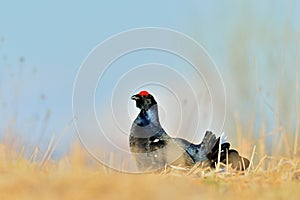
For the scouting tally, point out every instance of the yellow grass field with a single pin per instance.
(77, 177)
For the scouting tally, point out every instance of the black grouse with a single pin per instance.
(153, 148)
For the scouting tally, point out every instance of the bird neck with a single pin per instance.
(149, 116)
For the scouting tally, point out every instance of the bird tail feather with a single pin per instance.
(212, 145)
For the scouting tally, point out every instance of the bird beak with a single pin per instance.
(135, 97)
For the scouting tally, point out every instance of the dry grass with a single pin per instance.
(76, 177)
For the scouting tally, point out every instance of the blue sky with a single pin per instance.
(54, 38)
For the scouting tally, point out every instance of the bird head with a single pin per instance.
(144, 100)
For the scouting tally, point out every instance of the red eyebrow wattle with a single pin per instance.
(144, 93)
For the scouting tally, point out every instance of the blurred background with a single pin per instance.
(254, 44)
